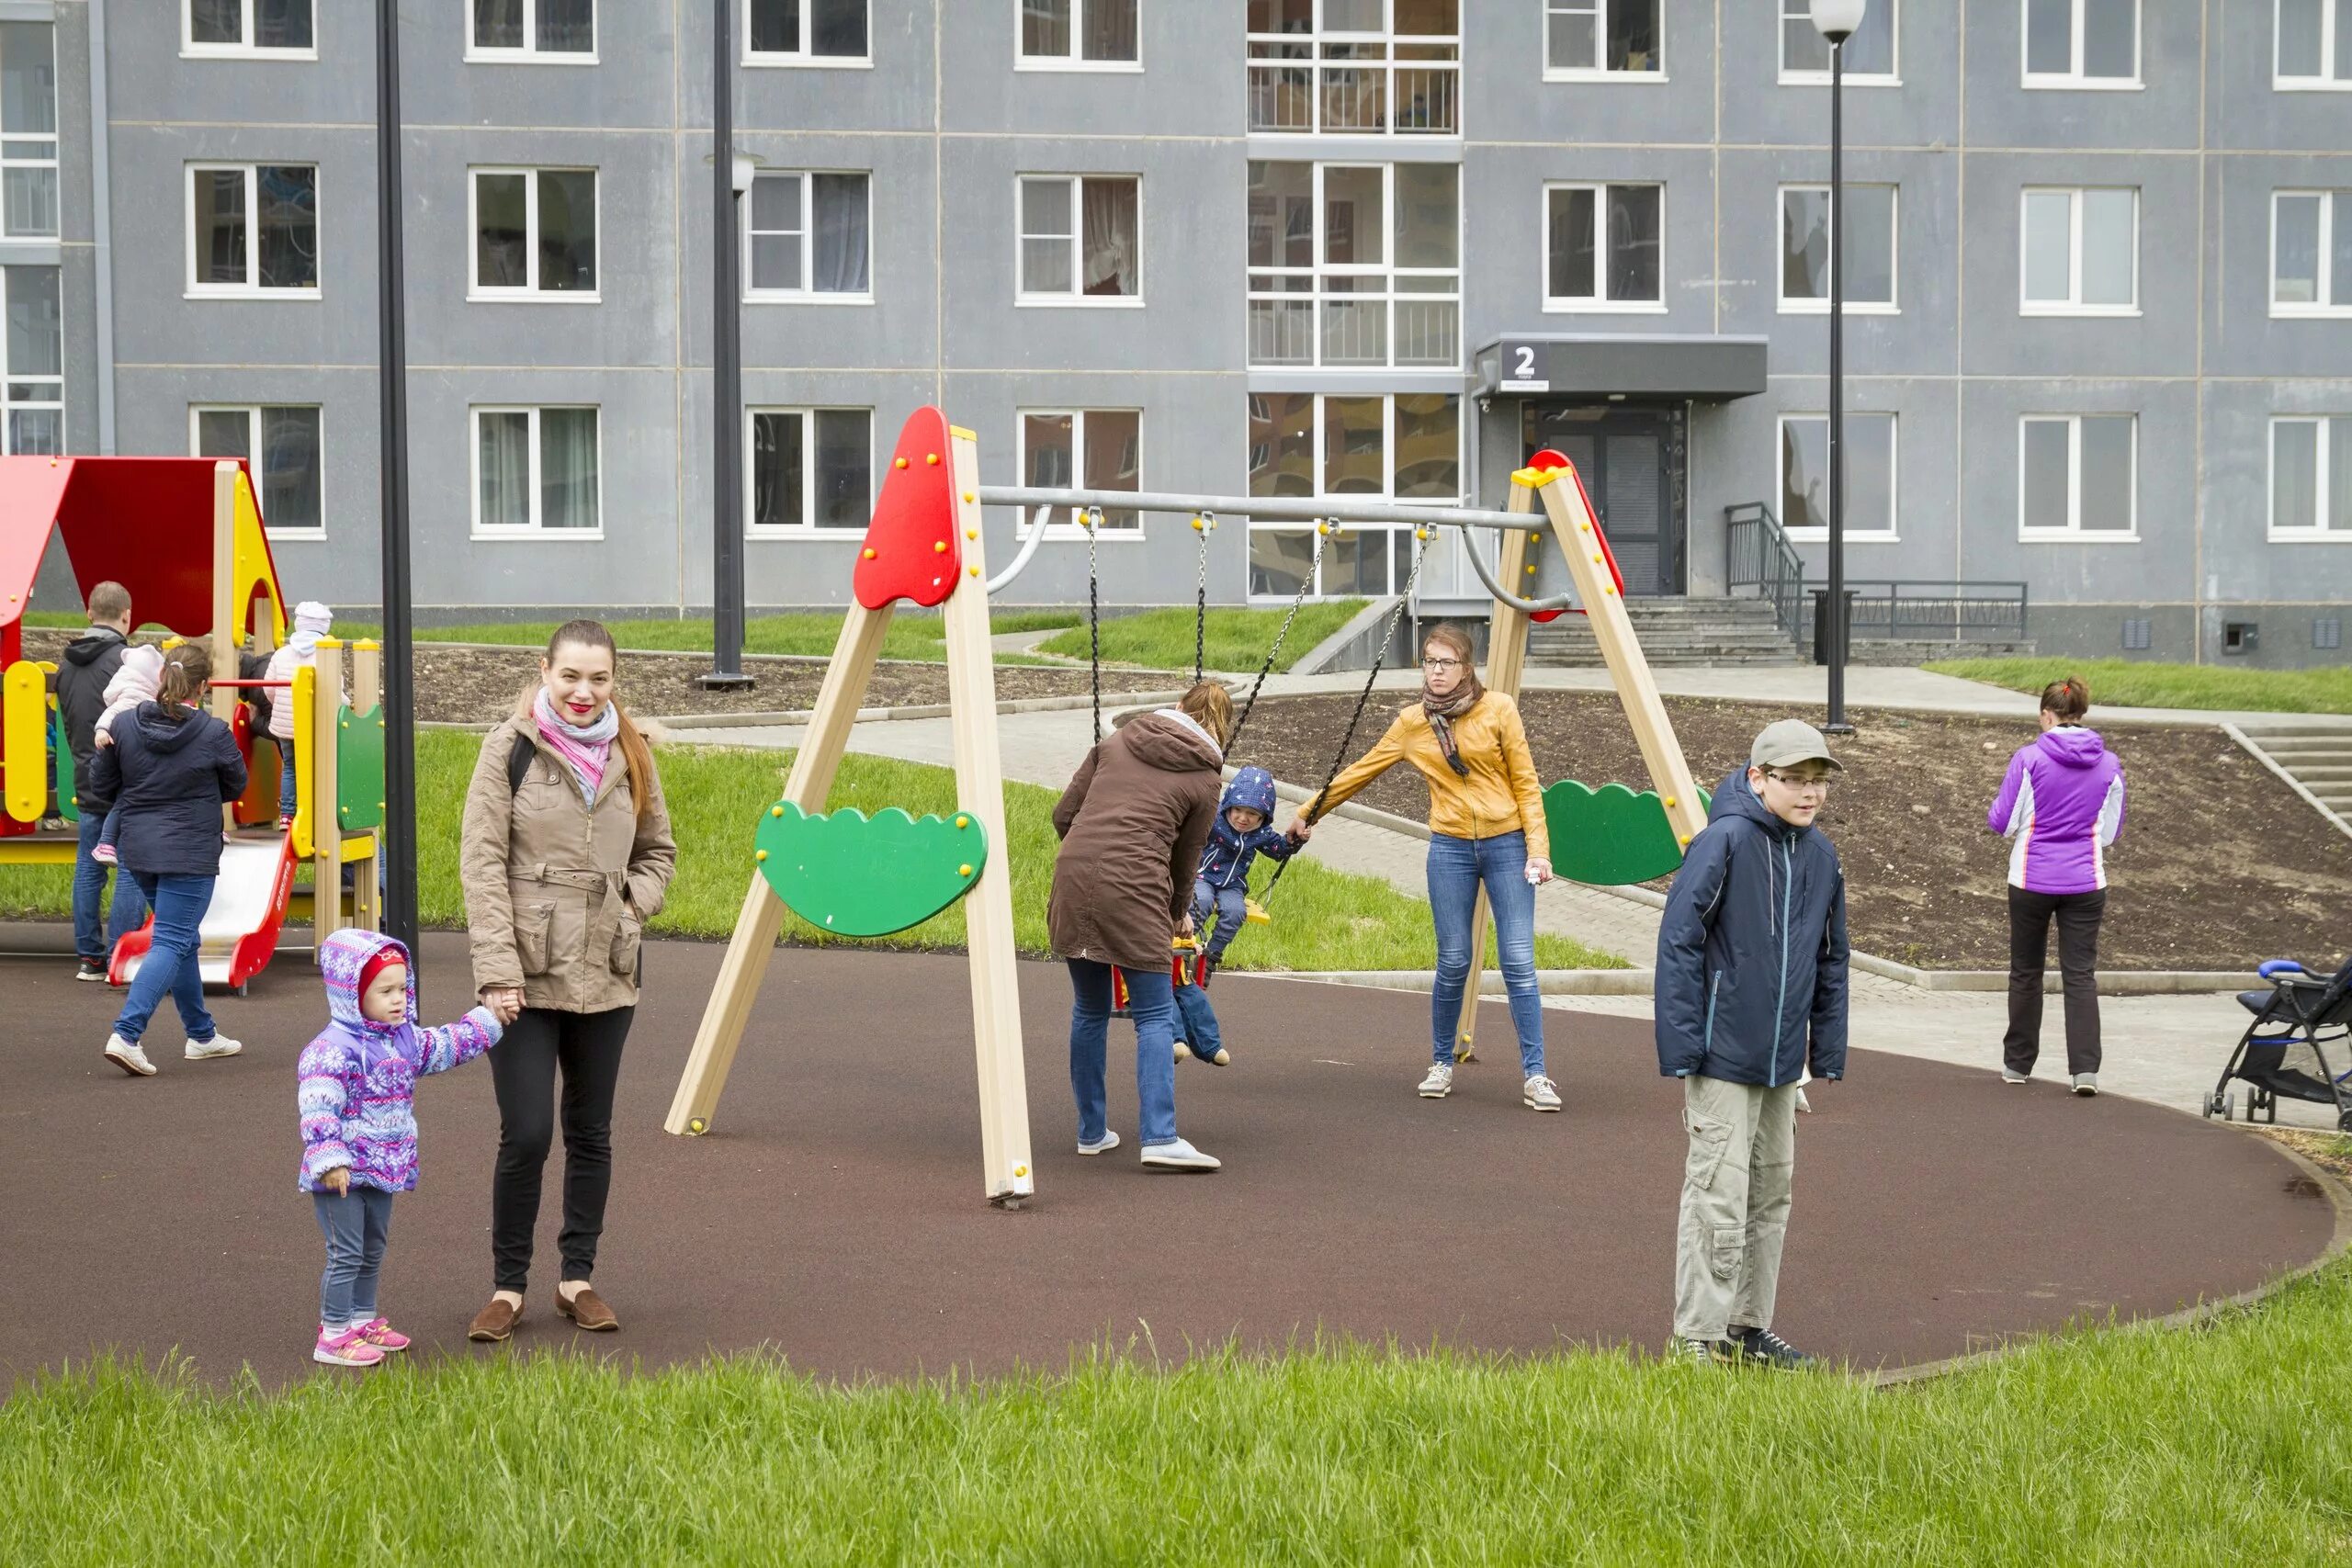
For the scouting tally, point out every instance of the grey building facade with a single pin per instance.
(2099, 273)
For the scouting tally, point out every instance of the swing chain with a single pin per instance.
(1305, 586)
(1204, 524)
(1091, 519)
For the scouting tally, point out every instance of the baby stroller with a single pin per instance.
(2284, 1050)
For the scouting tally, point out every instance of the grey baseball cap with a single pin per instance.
(1787, 742)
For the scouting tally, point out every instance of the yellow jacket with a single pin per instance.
(1500, 795)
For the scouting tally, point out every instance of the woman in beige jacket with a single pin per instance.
(566, 855)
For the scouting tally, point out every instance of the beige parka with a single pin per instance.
(557, 893)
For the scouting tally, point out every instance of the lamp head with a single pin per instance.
(1836, 20)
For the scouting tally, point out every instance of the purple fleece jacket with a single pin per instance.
(2061, 801)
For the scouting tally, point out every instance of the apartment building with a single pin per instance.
(2099, 275)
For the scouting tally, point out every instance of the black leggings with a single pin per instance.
(587, 1047)
(2078, 915)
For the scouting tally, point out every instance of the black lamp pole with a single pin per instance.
(726, 371)
(1835, 630)
(392, 324)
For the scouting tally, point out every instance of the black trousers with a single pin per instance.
(586, 1048)
(2078, 915)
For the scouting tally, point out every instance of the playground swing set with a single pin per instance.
(185, 536)
(858, 876)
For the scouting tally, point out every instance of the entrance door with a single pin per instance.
(1631, 458)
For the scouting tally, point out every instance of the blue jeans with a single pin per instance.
(1456, 868)
(170, 964)
(1229, 902)
(287, 796)
(1154, 1008)
(356, 1225)
(95, 937)
(1197, 1023)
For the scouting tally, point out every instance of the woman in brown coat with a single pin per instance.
(1132, 823)
(566, 855)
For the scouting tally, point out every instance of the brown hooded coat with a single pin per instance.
(1132, 823)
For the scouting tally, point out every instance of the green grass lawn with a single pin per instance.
(2126, 1448)
(1323, 919)
(1236, 641)
(2119, 683)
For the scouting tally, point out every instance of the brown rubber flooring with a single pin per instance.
(834, 1212)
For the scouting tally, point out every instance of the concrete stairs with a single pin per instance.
(1674, 631)
(2316, 759)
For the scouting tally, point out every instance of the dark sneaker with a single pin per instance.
(1761, 1346)
(91, 969)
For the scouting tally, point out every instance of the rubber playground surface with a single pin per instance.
(834, 1215)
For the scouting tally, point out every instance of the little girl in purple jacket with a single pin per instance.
(357, 1099)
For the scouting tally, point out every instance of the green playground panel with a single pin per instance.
(63, 754)
(854, 875)
(359, 769)
(1611, 836)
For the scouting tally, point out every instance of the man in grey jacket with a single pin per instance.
(90, 662)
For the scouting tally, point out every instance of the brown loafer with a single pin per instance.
(494, 1323)
(587, 1311)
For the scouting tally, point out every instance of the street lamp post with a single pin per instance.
(726, 370)
(1836, 20)
(391, 325)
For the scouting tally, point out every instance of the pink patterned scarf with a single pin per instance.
(587, 746)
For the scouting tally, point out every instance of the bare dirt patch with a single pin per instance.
(2221, 865)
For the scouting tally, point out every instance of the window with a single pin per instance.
(1870, 476)
(1084, 449)
(534, 234)
(1805, 243)
(1602, 38)
(2310, 477)
(809, 238)
(29, 129)
(281, 447)
(2311, 252)
(247, 27)
(2313, 47)
(1358, 68)
(253, 228)
(2082, 43)
(1079, 238)
(563, 30)
(2080, 253)
(32, 397)
(1604, 248)
(1077, 34)
(806, 32)
(1355, 264)
(812, 468)
(1404, 447)
(1870, 54)
(2077, 477)
(536, 471)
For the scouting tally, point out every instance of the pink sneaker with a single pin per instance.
(103, 854)
(380, 1333)
(286, 824)
(347, 1349)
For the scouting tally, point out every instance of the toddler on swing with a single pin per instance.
(1241, 832)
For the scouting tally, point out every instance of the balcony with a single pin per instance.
(1375, 88)
(1355, 322)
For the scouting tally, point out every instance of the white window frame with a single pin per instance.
(1464, 412)
(1792, 10)
(247, 49)
(800, 59)
(2318, 533)
(1075, 296)
(536, 530)
(1893, 532)
(531, 53)
(9, 402)
(9, 160)
(1075, 62)
(1069, 529)
(806, 414)
(2336, 294)
(2073, 532)
(533, 294)
(2073, 79)
(1802, 306)
(253, 445)
(1600, 304)
(805, 295)
(2336, 16)
(251, 289)
(2072, 305)
(1598, 72)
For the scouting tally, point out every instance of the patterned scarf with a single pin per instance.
(587, 746)
(1442, 711)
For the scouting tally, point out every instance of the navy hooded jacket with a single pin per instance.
(1226, 859)
(1751, 953)
(170, 781)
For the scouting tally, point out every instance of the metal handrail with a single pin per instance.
(1525, 607)
(1777, 571)
(1999, 606)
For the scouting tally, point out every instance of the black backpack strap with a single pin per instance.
(518, 763)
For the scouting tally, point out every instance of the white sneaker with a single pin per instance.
(1439, 1084)
(1178, 1156)
(1222, 1057)
(1101, 1145)
(1538, 1093)
(128, 1057)
(2087, 1085)
(218, 1045)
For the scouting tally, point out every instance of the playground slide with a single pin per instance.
(240, 929)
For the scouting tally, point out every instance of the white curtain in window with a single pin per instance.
(568, 469)
(840, 253)
(502, 468)
(1109, 214)
(289, 468)
(498, 24)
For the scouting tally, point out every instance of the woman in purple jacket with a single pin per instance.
(2062, 802)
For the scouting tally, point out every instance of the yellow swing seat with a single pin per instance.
(1254, 913)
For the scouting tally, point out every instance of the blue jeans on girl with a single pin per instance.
(170, 966)
(1231, 904)
(1151, 999)
(355, 1224)
(1456, 868)
(288, 796)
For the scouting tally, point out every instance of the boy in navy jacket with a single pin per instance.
(1243, 830)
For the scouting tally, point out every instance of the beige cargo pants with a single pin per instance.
(1734, 1204)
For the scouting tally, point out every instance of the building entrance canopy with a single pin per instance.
(1600, 363)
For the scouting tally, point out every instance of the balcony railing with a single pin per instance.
(1355, 89)
(1888, 610)
(1351, 327)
